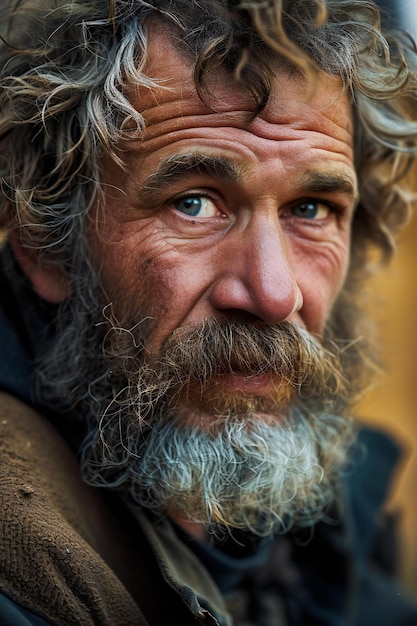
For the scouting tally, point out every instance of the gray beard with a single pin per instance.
(246, 474)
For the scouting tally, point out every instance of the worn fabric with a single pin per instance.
(52, 547)
(66, 553)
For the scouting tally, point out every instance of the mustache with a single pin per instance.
(217, 348)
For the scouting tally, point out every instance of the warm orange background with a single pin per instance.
(393, 403)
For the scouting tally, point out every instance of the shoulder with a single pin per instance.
(346, 566)
(374, 536)
(59, 540)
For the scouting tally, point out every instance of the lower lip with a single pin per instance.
(253, 385)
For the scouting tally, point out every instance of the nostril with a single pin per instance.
(242, 317)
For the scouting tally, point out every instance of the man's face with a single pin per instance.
(218, 216)
(222, 245)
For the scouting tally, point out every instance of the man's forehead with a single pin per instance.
(171, 69)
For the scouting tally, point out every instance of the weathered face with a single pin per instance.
(216, 215)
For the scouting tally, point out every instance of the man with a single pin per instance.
(191, 194)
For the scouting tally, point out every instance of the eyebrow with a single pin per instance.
(329, 182)
(175, 167)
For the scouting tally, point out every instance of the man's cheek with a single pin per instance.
(320, 280)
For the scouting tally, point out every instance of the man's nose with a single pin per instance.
(255, 274)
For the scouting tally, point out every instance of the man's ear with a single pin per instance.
(48, 280)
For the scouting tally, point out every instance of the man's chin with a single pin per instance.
(247, 473)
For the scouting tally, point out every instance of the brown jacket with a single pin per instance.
(65, 554)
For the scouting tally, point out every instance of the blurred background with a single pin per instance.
(401, 12)
(392, 405)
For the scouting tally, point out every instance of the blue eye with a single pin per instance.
(311, 210)
(190, 206)
(196, 206)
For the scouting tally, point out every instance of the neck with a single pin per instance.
(194, 529)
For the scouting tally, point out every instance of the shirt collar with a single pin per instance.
(183, 571)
